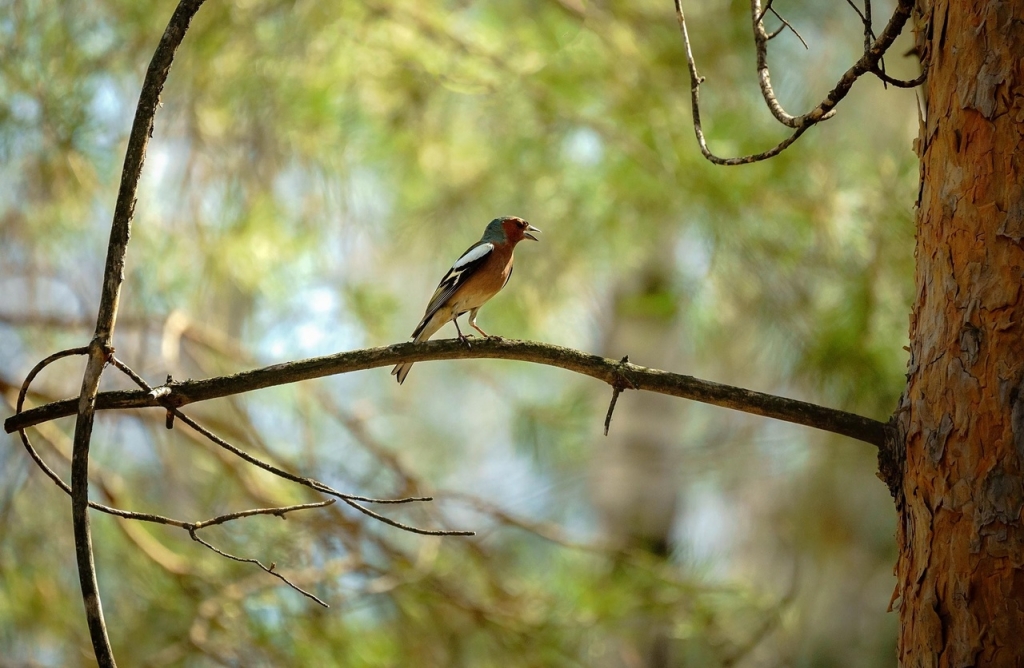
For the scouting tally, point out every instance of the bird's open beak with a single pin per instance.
(530, 228)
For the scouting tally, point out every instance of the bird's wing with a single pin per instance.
(461, 271)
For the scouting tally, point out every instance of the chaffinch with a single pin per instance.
(478, 275)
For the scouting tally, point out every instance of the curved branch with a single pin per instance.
(868, 62)
(902, 83)
(695, 81)
(191, 527)
(761, 38)
(606, 370)
(100, 347)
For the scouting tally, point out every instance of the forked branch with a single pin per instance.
(190, 527)
(869, 62)
(352, 500)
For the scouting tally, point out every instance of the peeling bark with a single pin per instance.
(960, 574)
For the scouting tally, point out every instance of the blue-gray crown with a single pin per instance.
(494, 233)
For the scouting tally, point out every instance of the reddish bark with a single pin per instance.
(960, 588)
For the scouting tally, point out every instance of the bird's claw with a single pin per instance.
(465, 339)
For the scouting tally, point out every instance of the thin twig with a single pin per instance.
(903, 83)
(869, 37)
(869, 31)
(617, 389)
(163, 391)
(864, 21)
(50, 473)
(191, 527)
(603, 369)
(789, 25)
(279, 512)
(244, 560)
(405, 527)
(350, 499)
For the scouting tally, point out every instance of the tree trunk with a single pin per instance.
(960, 574)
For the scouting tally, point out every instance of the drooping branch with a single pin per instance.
(268, 569)
(606, 370)
(100, 348)
(869, 62)
(352, 500)
(190, 527)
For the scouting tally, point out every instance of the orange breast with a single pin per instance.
(486, 281)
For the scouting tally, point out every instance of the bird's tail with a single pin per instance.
(401, 371)
(424, 331)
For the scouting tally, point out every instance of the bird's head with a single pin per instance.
(509, 229)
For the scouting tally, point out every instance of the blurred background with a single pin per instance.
(314, 170)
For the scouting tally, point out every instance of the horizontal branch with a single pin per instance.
(613, 372)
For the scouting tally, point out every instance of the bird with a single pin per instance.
(479, 274)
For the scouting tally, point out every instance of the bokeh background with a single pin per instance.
(315, 169)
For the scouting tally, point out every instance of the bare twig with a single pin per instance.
(195, 537)
(50, 473)
(352, 500)
(279, 512)
(865, 19)
(786, 24)
(191, 527)
(869, 35)
(405, 527)
(100, 347)
(903, 83)
(868, 62)
(761, 14)
(617, 389)
(603, 369)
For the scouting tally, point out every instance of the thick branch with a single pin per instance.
(607, 370)
(100, 348)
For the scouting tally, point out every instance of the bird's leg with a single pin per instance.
(462, 337)
(472, 322)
